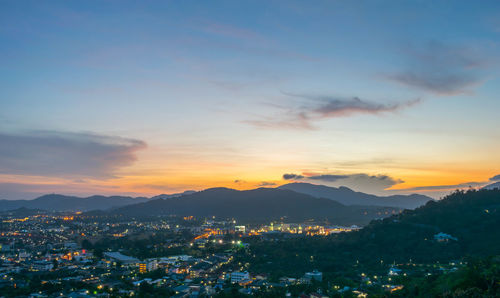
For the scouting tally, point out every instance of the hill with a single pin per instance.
(263, 204)
(471, 218)
(175, 195)
(55, 202)
(349, 197)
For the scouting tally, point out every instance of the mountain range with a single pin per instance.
(291, 202)
(347, 196)
(175, 195)
(257, 205)
(56, 202)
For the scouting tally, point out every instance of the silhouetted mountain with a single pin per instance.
(175, 195)
(261, 204)
(349, 197)
(495, 185)
(55, 202)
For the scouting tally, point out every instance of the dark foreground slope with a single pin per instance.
(349, 197)
(258, 205)
(473, 218)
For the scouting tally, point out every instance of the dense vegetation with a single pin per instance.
(480, 278)
(408, 238)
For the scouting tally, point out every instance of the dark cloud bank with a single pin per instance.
(66, 154)
(361, 180)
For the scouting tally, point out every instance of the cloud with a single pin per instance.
(360, 181)
(382, 180)
(440, 69)
(66, 154)
(441, 190)
(445, 187)
(495, 178)
(266, 183)
(328, 177)
(301, 114)
(330, 107)
(292, 177)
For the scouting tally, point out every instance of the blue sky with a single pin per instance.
(180, 95)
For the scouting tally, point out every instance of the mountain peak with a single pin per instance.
(347, 196)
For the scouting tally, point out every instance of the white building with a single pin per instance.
(239, 276)
(151, 264)
(395, 271)
(119, 257)
(443, 237)
(314, 275)
(240, 229)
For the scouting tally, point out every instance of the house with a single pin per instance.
(239, 276)
(139, 282)
(313, 275)
(395, 271)
(443, 237)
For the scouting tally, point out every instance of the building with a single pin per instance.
(148, 265)
(239, 276)
(119, 257)
(71, 245)
(314, 275)
(6, 247)
(239, 229)
(152, 264)
(395, 271)
(42, 266)
(443, 237)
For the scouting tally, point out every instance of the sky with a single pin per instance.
(147, 97)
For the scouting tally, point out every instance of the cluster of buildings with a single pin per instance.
(50, 247)
(296, 228)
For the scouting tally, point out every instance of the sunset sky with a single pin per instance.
(150, 97)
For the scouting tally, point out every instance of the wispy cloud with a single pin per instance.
(236, 38)
(302, 114)
(448, 187)
(445, 187)
(66, 154)
(441, 69)
(266, 183)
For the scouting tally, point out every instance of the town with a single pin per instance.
(68, 254)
